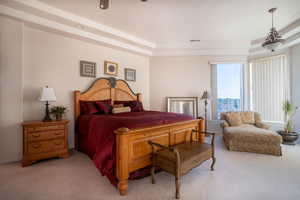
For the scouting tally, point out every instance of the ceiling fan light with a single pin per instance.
(273, 40)
(104, 4)
(272, 45)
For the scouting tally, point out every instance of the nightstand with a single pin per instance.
(42, 140)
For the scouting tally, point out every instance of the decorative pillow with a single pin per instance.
(234, 119)
(135, 106)
(257, 117)
(248, 117)
(88, 107)
(121, 110)
(118, 105)
(103, 107)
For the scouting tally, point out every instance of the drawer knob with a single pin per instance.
(36, 145)
(36, 135)
(58, 143)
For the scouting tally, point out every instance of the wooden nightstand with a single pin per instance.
(43, 140)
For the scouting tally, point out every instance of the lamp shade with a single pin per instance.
(205, 95)
(47, 94)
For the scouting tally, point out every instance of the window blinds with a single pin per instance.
(269, 87)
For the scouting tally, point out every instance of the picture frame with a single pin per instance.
(111, 68)
(130, 74)
(183, 105)
(87, 69)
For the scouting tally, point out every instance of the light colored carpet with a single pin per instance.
(238, 176)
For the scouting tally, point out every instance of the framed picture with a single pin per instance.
(183, 105)
(87, 69)
(111, 68)
(130, 74)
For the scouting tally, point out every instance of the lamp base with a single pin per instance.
(47, 117)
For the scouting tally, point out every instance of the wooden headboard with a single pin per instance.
(103, 89)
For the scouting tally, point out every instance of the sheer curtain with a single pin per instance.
(269, 87)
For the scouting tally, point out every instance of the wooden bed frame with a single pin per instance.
(132, 148)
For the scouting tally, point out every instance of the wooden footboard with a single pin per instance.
(134, 152)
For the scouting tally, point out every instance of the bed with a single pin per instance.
(118, 144)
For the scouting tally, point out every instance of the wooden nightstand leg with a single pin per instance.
(64, 155)
(26, 163)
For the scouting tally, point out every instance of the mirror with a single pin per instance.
(183, 105)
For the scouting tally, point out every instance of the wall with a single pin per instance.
(179, 76)
(295, 71)
(11, 39)
(182, 76)
(53, 60)
(49, 59)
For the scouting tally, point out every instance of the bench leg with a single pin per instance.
(153, 174)
(177, 183)
(213, 163)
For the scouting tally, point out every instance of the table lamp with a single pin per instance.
(205, 97)
(47, 95)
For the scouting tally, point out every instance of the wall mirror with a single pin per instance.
(183, 105)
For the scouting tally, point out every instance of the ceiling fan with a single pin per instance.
(104, 4)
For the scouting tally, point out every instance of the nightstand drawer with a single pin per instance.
(45, 128)
(43, 140)
(45, 146)
(34, 136)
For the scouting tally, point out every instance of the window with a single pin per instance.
(269, 87)
(228, 84)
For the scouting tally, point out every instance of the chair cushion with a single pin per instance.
(191, 154)
(249, 133)
(234, 118)
(186, 150)
(248, 117)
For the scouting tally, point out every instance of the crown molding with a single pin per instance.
(84, 21)
(26, 17)
(202, 52)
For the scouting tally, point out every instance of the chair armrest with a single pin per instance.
(161, 146)
(206, 133)
(262, 125)
(172, 149)
(224, 124)
(213, 137)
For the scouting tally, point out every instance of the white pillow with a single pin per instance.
(121, 110)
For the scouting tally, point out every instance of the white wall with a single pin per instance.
(295, 69)
(182, 76)
(50, 59)
(11, 39)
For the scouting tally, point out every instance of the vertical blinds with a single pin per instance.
(269, 87)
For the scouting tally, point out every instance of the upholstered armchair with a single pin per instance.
(245, 131)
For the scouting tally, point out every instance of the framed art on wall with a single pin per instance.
(183, 105)
(130, 74)
(110, 68)
(87, 69)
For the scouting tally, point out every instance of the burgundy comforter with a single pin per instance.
(98, 141)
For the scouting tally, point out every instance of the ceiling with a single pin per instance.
(170, 23)
(164, 27)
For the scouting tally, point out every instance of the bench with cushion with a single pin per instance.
(181, 158)
(245, 131)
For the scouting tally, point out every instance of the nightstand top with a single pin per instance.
(41, 123)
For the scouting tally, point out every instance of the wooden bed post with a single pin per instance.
(202, 129)
(139, 97)
(76, 115)
(122, 160)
